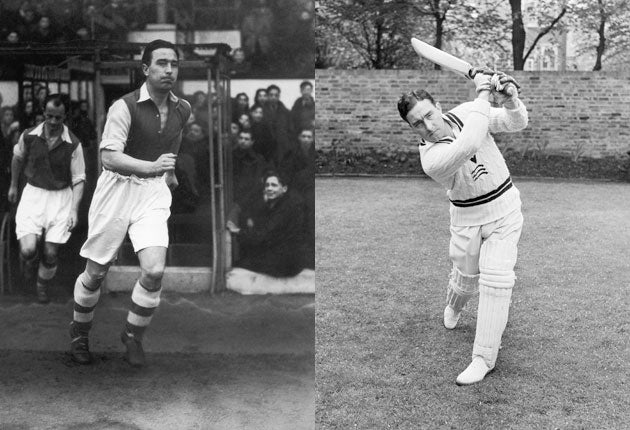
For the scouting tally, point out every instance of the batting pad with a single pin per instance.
(496, 279)
(460, 289)
(492, 317)
(497, 259)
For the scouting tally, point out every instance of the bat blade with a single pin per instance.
(442, 58)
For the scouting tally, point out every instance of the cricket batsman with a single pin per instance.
(457, 150)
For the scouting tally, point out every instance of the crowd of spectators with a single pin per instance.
(55, 21)
(268, 137)
(265, 137)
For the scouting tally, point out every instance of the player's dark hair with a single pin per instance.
(408, 100)
(306, 84)
(152, 46)
(58, 100)
(242, 94)
(273, 87)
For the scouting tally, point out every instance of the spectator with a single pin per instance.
(256, 30)
(270, 231)
(111, 20)
(27, 119)
(278, 117)
(192, 169)
(8, 19)
(39, 118)
(26, 21)
(43, 33)
(27, 94)
(260, 98)
(244, 122)
(240, 105)
(82, 34)
(303, 182)
(200, 108)
(263, 140)
(41, 96)
(69, 17)
(240, 65)
(82, 125)
(9, 126)
(234, 131)
(303, 110)
(298, 164)
(247, 167)
(13, 38)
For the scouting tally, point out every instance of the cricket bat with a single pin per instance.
(447, 60)
(442, 58)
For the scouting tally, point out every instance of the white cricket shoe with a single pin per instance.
(475, 372)
(450, 317)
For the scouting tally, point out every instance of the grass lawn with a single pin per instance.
(383, 358)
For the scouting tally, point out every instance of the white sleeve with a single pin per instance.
(506, 120)
(19, 150)
(442, 160)
(117, 126)
(77, 165)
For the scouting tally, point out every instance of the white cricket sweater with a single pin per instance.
(470, 166)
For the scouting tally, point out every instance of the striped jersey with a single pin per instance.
(470, 165)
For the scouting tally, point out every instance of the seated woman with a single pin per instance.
(270, 235)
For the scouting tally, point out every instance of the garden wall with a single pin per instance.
(571, 113)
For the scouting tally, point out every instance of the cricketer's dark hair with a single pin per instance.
(306, 84)
(152, 46)
(58, 100)
(408, 100)
(242, 94)
(273, 87)
(242, 130)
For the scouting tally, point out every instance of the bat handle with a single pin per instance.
(476, 70)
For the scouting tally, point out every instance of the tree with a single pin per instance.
(603, 27)
(377, 30)
(518, 30)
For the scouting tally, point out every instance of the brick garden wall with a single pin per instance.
(570, 112)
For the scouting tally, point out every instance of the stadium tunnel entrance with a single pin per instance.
(199, 254)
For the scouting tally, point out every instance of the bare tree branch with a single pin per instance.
(544, 32)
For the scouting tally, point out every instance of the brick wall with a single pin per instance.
(569, 112)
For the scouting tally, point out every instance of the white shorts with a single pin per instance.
(121, 204)
(42, 211)
(466, 242)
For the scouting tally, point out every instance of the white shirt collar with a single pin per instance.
(39, 131)
(144, 94)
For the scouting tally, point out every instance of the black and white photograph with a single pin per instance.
(157, 204)
(472, 183)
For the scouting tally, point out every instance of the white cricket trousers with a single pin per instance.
(489, 250)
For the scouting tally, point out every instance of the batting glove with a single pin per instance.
(482, 82)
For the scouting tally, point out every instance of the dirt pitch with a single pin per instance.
(384, 359)
(214, 362)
